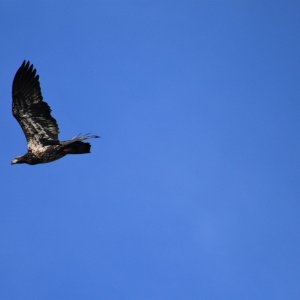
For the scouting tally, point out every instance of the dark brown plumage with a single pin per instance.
(40, 128)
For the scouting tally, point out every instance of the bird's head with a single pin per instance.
(18, 160)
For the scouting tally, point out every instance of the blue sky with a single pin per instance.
(193, 190)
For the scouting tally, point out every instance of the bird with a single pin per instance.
(39, 126)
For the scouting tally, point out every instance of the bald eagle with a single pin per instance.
(40, 128)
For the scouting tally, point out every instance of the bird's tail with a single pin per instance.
(76, 146)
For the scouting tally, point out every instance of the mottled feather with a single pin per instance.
(33, 114)
(40, 128)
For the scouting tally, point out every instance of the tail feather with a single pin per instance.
(76, 146)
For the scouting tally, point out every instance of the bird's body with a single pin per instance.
(45, 155)
(53, 152)
(40, 128)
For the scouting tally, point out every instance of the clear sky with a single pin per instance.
(192, 193)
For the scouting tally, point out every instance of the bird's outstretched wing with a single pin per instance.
(79, 138)
(33, 114)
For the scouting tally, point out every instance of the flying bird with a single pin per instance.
(40, 128)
